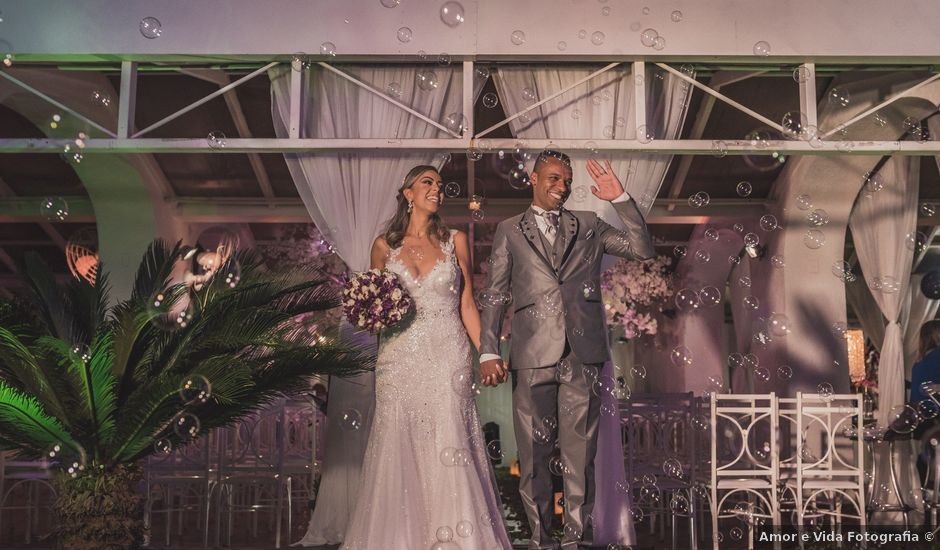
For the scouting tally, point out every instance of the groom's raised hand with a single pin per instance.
(493, 372)
(606, 185)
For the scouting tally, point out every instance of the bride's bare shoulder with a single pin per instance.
(380, 244)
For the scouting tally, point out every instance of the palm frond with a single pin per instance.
(24, 371)
(86, 306)
(245, 339)
(23, 420)
(93, 383)
(46, 296)
(155, 269)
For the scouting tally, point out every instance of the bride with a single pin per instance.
(427, 482)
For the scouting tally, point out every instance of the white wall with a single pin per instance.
(796, 29)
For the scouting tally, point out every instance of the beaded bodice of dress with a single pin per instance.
(437, 292)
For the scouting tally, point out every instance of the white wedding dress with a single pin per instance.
(426, 477)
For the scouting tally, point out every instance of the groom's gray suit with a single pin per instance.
(559, 342)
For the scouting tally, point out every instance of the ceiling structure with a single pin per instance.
(248, 182)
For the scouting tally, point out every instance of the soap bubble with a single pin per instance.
(464, 529)
(824, 390)
(216, 140)
(687, 300)
(710, 296)
(676, 16)
(490, 100)
(648, 37)
(186, 425)
(839, 97)
(101, 98)
(804, 202)
(597, 38)
(394, 90)
(779, 324)
(795, 125)
(351, 419)
(818, 217)
(404, 35)
(768, 222)
(427, 80)
(444, 534)
(390, 3)
(762, 48)
(150, 27)
(162, 446)
(54, 209)
(681, 356)
(328, 49)
(452, 14)
(517, 37)
(801, 74)
(455, 122)
(699, 199)
(719, 149)
(744, 188)
(814, 239)
(195, 389)
(452, 189)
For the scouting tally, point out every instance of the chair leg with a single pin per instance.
(278, 504)
(231, 511)
(169, 515)
(290, 506)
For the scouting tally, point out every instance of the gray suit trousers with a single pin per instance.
(565, 393)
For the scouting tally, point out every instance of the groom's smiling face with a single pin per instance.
(551, 183)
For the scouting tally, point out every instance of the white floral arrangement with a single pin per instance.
(634, 291)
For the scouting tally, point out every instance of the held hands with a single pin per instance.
(493, 372)
(606, 185)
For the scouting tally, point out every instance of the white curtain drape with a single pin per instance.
(598, 109)
(866, 310)
(880, 225)
(350, 197)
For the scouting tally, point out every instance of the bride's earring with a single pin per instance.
(410, 206)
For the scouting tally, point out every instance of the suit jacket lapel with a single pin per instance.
(568, 229)
(532, 235)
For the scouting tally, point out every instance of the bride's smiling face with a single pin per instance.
(425, 193)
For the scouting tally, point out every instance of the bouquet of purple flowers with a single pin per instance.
(375, 299)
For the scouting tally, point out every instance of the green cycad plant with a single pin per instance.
(94, 389)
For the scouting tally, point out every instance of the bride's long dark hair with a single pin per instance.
(395, 233)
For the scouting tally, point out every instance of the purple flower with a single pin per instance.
(374, 299)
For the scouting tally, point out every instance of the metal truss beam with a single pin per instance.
(539, 103)
(287, 145)
(204, 100)
(292, 210)
(722, 97)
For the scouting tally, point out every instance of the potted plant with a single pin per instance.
(94, 388)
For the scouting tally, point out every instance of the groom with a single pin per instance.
(549, 259)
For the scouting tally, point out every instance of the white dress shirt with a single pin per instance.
(542, 224)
